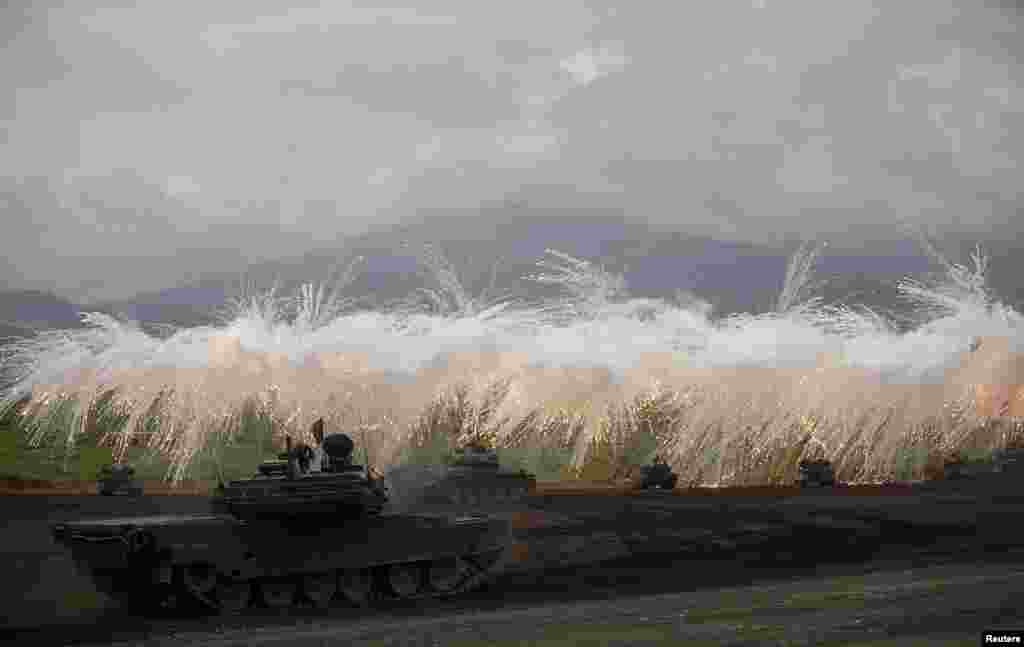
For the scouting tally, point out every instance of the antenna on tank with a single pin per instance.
(291, 459)
(366, 450)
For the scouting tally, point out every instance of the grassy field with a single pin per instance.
(53, 443)
(665, 635)
(56, 461)
(728, 428)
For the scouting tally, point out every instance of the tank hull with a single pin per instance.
(150, 563)
(475, 477)
(317, 498)
(479, 487)
(119, 488)
(658, 481)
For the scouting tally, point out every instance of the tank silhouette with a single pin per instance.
(816, 473)
(118, 480)
(474, 477)
(657, 475)
(1003, 463)
(289, 535)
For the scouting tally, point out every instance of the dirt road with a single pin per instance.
(938, 605)
(668, 548)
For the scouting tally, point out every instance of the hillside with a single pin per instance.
(22, 311)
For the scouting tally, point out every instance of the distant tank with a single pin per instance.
(475, 477)
(118, 480)
(1002, 463)
(657, 475)
(816, 473)
(290, 535)
(960, 469)
(1008, 459)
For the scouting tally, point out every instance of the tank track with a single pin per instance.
(189, 594)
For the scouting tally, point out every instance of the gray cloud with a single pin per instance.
(468, 100)
(259, 129)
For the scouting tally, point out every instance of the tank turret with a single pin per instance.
(816, 473)
(118, 480)
(657, 475)
(319, 482)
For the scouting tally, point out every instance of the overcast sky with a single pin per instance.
(144, 144)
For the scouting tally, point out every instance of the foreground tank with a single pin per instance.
(475, 478)
(222, 563)
(285, 538)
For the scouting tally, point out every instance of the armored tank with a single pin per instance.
(1001, 471)
(289, 535)
(474, 477)
(816, 473)
(657, 475)
(118, 480)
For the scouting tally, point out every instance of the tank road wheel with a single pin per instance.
(356, 585)
(445, 575)
(200, 580)
(319, 589)
(480, 566)
(136, 596)
(233, 596)
(278, 593)
(405, 580)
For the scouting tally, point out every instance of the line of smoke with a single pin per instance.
(746, 377)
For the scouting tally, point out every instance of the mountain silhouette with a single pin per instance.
(492, 254)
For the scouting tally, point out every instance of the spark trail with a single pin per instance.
(725, 398)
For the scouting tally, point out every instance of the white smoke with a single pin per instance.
(318, 356)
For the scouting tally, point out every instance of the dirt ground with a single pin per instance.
(939, 605)
(889, 604)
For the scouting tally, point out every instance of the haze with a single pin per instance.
(143, 146)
